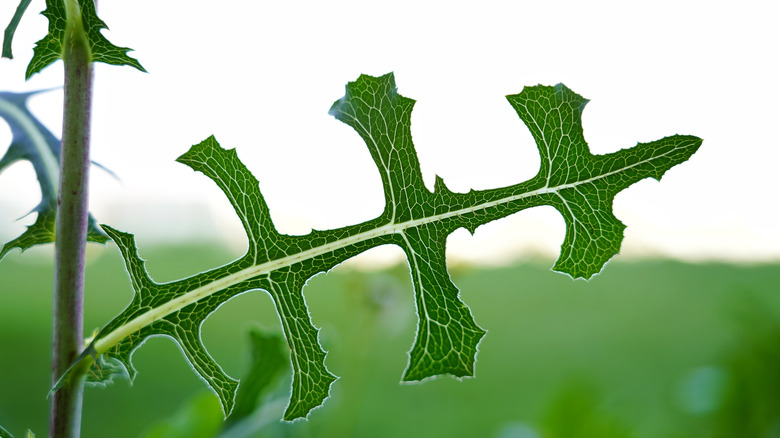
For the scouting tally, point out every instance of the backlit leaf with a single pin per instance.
(33, 142)
(79, 15)
(580, 185)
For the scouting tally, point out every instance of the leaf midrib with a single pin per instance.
(105, 343)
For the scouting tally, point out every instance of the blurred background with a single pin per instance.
(676, 338)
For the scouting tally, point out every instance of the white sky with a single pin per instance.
(261, 76)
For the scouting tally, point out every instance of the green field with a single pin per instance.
(646, 349)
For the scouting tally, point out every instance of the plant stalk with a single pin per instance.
(71, 231)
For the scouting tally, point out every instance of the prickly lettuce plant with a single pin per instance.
(33, 142)
(579, 184)
(74, 36)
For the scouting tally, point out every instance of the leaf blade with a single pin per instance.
(103, 50)
(61, 17)
(33, 142)
(447, 336)
(10, 30)
(593, 234)
(268, 362)
(579, 184)
(4, 433)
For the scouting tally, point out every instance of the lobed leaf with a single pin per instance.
(33, 142)
(577, 183)
(584, 185)
(65, 14)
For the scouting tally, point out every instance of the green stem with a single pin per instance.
(71, 231)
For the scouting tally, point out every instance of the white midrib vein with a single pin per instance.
(105, 343)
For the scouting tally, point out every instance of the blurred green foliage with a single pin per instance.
(647, 349)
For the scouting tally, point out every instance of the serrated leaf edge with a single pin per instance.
(681, 144)
(105, 343)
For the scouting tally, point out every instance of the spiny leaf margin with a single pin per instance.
(50, 48)
(580, 185)
(33, 142)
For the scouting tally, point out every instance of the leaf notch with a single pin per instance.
(577, 183)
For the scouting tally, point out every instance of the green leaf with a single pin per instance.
(579, 410)
(31, 141)
(199, 417)
(269, 360)
(8, 36)
(579, 184)
(4, 433)
(76, 16)
(582, 186)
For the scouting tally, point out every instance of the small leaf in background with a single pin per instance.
(580, 185)
(269, 360)
(202, 417)
(748, 405)
(8, 36)
(33, 142)
(4, 433)
(578, 411)
(50, 48)
(199, 417)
